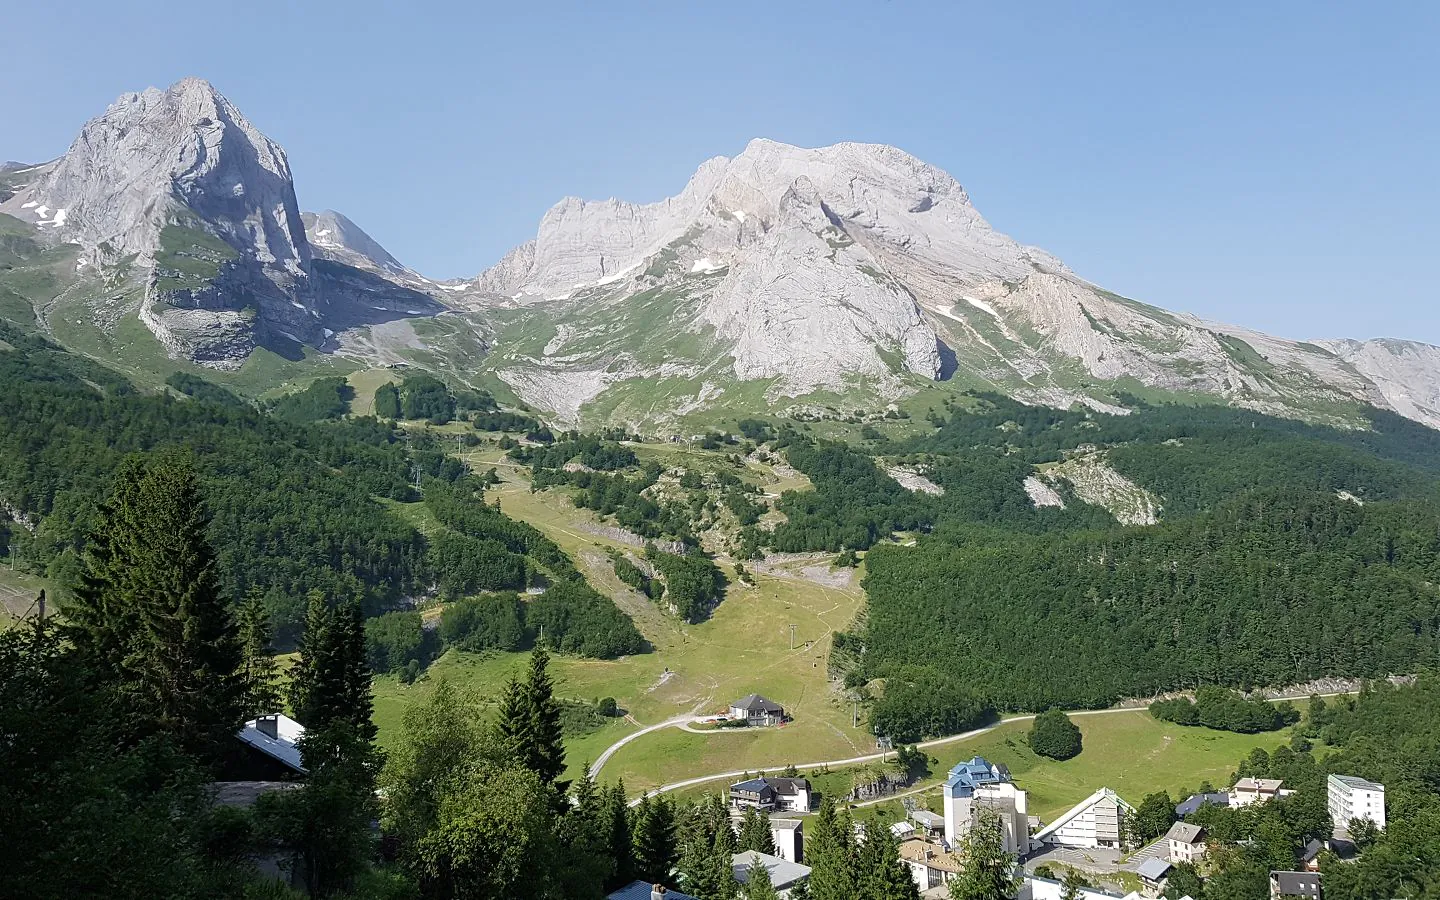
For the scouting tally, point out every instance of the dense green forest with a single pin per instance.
(295, 505)
(1269, 588)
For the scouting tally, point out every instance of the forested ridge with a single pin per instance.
(295, 505)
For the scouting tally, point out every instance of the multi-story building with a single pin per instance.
(1351, 798)
(1097, 821)
(979, 788)
(1256, 790)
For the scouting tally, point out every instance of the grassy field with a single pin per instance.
(17, 592)
(1129, 752)
(745, 647)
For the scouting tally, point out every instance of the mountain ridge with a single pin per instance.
(833, 280)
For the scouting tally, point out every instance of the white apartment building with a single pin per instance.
(1092, 823)
(1349, 798)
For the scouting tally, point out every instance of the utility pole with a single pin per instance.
(792, 635)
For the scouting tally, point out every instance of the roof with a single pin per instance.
(1079, 808)
(1296, 884)
(757, 703)
(927, 818)
(640, 890)
(1153, 869)
(783, 873)
(788, 786)
(1263, 785)
(1361, 783)
(1195, 801)
(285, 746)
(978, 770)
(1185, 833)
(785, 824)
(754, 786)
(926, 853)
(902, 829)
(1312, 850)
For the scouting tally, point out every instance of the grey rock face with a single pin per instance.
(1406, 374)
(152, 178)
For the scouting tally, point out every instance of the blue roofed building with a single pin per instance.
(979, 787)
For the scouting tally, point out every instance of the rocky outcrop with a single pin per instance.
(1406, 374)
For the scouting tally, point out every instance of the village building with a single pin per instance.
(757, 710)
(1349, 798)
(931, 865)
(932, 824)
(1304, 885)
(1185, 842)
(269, 750)
(789, 838)
(1093, 823)
(772, 794)
(977, 788)
(1256, 790)
(1153, 873)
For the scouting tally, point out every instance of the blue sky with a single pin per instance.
(1270, 164)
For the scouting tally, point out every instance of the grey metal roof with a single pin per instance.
(1356, 782)
(928, 819)
(1195, 801)
(1153, 869)
(1184, 832)
(284, 747)
(640, 890)
(783, 873)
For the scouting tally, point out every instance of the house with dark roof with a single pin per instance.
(1193, 803)
(269, 750)
(767, 794)
(757, 710)
(1305, 885)
(1185, 842)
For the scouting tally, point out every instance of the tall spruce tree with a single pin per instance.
(758, 885)
(621, 836)
(989, 871)
(258, 672)
(331, 683)
(755, 832)
(707, 851)
(656, 841)
(148, 611)
(831, 855)
(529, 722)
(882, 876)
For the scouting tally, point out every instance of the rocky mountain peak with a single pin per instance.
(331, 233)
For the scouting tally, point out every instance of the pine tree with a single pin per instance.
(758, 885)
(149, 615)
(584, 831)
(882, 875)
(622, 851)
(1072, 884)
(258, 672)
(331, 683)
(529, 722)
(988, 872)
(656, 841)
(316, 687)
(831, 853)
(755, 833)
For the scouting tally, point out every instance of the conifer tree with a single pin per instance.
(621, 840)
(882, 875)
(331, 682)
(758, 885)
(831, 854)
(655, 839)
(989, 872)
(149, 615)
(755, 833)
(707, 851)
(529, 722)
(258, 672)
